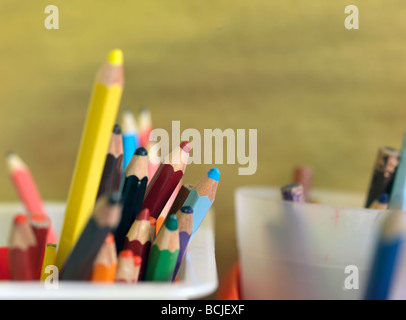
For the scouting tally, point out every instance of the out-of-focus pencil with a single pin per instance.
(145, 126)
(293, 192)
(385, 260)
(138, 239)
(105, 264)
(166, 179)
(202, 196)
(40, 226)
(125, 267)
(4, 264)
(164, 252)
(49, 259)
(22, 250)
(112, 167)
(130, 136)
(383, 175)
(100, 119)
(27, 189)
(304, 176)
(105, 218)
(133, 194)
(185, 226)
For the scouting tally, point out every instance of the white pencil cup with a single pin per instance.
(308, 251)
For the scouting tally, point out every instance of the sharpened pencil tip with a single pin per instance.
(383, 198)
(126, 254)
(186, 209)
(20, 218)
(137, 260)
(117, 129)
(143, 215)
(172, 222)
(116, 57)
(214, 174)
(114, 198)
(185, 146)
(141, 151)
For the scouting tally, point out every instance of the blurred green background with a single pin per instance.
(317, 93)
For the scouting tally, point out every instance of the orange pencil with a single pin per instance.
(105, 264)
(125, 267)
(27, 189)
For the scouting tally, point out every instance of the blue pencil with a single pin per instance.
(385, 260)
(201, 197)
(130, 137)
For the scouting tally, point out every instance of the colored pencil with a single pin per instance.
(304, 176)
(130, 136)
(185, 226)
(381, 203)
(49, 260)
(133, 194)
(105, 218)
(138, 239)
(112, 167)
(125, 267)
(384, 172)
(202, 196)
(4, 264)
(22, 250)
(145, 122)
(385, 260)
(100, 119)
(164, 252)
(40, 225)
(166, 179)
(105, 264)
(27, 189)
(293, 192)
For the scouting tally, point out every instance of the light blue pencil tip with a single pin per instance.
(214, 174)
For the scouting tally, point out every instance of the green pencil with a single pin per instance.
(164, 252)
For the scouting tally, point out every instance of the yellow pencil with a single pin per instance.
(49, 259)
(101, 117)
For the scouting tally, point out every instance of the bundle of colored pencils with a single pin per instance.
(117, 196)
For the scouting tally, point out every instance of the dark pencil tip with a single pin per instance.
(9, 153)
(383, 198)
(117, 129)
(172, 222)
(186, 209)
(141, 151)
(114, 198)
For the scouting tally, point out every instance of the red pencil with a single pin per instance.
(27, 189)
(165, 180)
(138, 239)
(22, 250)
(4, 264)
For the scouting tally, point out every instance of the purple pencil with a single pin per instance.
(185, 225)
